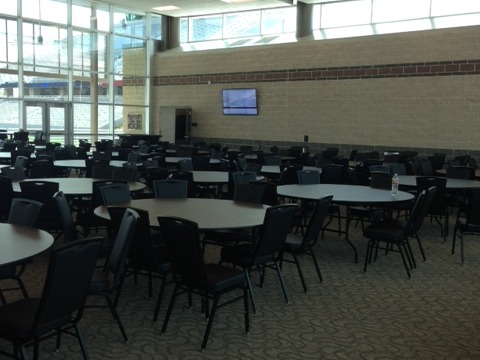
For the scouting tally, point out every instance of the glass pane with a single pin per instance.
(156, 28)
(345, 13)
(9, 8)
(456, 21)
(279, 21)
(57, 118)
(447, 7)
(46, 88)
(8, 86)
(104, 115)
(103, 18)
(81, 118)
(89, 52)
(403, 26)
(10, 119)
(54, 11)
(242, 24)
(34, 117)
(131, 50)
(206, 28)
(393, 10)
(184, 30)
(83, 15)
(129, 24)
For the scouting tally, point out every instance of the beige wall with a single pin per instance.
(437, 110)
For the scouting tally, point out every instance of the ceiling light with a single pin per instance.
(166, 8)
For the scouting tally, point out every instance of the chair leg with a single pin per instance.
(249, 285)
(402, 249)
(315, 262)
(462, 254)
(170, 309)
(159, 298)
(210, 321)
(282, 283)
(81, 342)
(245, 308)
(113, 310)
(454, 239)
(300, 273)
(421, 247)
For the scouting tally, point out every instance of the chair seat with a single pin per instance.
(390, 230)
(293, 244)
(100, 282)
(465, 227)
(222, 278)
(242, 255)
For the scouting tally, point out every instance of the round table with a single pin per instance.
(209, 214)
(73, 186)
(444, 172)
(80, 163)
(343, 194)
(452, 184)
(210, 177)
(20, 242)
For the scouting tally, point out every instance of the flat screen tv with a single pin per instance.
(239, 102)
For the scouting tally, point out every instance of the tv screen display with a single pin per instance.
(239, 101)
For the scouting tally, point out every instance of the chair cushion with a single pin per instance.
(221, 278)
(389, 231)
(293, 243)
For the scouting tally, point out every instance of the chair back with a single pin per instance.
(124, 173)
(155, 173)
(184, 175)
(43, 191)
(315, 225)
(184, 250)
(473, 207)
(288, 175)
(419, 211)
(380, 168)
(101, 155)
(332, 174)
(185, 165)
(270, 196)
(42, 169)
(170, 189)
(201, 162)
(426, 182)
(308, 177)
(381, 180)
(272, 160)
(15, 173)
(243, 177)
(115, 193)
(274, 231)
(24, 212)
(6, 196)
(66, 219)
(352, 176)
(460, 172)
(102, 170)
(67, 281)
(398, 168)
(252, 192)
(253, 167)
(121, 246)
(426, 168)
(21, 161)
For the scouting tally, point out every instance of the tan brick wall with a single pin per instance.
(418, 98)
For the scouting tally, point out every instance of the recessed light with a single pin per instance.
(166, 8)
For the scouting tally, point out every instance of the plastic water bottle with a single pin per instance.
(395, 183)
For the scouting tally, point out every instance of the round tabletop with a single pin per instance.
(73, 186)
(444, 172)
(210, 177)
(80, 163)
(20, 242)
(411, 181)
(347, 194)
(275, 169)
(209, 214)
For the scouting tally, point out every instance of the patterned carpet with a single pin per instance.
(380, 314)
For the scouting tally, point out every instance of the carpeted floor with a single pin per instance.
(380, 314)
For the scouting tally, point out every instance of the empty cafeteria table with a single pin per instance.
(21, 243)
(209, 214)
(73, 186)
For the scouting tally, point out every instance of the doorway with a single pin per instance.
(51, 118)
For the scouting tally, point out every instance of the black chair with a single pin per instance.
(32, 320)
(192, 275)
(305, 245)
(147, 255)
(6, 196)
(397, 168)
(108, 281)
(21, 136)
(426, 168)
(69, 230)
(42, 169)
(23, 212)
(288, 174)
(308, 177)
(438, 209)
(43, 191)
(102, 170)
(15, 173)
(184, 175)
(185, 164)
(115, 193)
(155, 173)
(266, 251)
(124, 173)
(460, 172)
(468, 220)
(90, 163)
(170, 189)
(395, 232)
(252, 192)
(201, 163)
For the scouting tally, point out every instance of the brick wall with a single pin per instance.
(416, 91)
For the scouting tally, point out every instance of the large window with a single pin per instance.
(97, 63)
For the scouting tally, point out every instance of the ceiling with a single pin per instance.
(204, 7)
